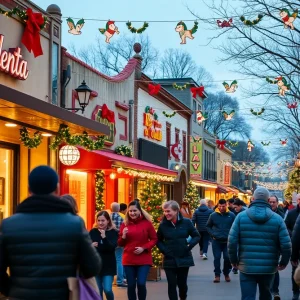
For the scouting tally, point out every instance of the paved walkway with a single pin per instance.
(201, 285)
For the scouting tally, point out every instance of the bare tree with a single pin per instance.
(258, 153)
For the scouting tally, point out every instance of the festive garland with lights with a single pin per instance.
(180, 87)
(169, 115)
(251, 23)
(124, 150)
(64, 135)
(29, 142)
(266, 143)
(139, 30)
(257, 113)
(233, 144)
(99, 190)
(21, 14)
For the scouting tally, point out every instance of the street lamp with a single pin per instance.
(297, 161)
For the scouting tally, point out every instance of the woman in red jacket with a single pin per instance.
(138, 237)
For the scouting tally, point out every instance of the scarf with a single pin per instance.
(285, 19)
(111, 31)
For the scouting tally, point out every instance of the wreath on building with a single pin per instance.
(30, 142)
(124, 150)
(99, 190)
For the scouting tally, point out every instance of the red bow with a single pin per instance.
(224, 23)
(107, 114)
(153, 89)
(31, 35)
(292, 105)
(198, 91)
(221, 144)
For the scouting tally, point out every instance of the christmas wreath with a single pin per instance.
(99, 190)
(124, 150)
(29, 142)
(251, 23)
(169, 115)
(139, 30)
(257, 113)
(179, 87)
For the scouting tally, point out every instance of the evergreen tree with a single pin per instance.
(191, 196)
(294, 184)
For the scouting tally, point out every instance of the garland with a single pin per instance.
(169, 115)
(99, 190)
(251, 23)
(266, 143)
(64, 135)
(29, 142)
(21, 14)
(258, 113)
(124, 150)
(271, 81)
(195, 27)
(233, 144)
(179, 87)
(139, 30)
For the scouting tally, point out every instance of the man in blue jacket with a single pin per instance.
(257, 239)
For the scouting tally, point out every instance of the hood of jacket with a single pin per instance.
(203, 208)
(218, 211)
(259, 211)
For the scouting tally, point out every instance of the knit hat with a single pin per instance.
(261, 193)
(42, 180)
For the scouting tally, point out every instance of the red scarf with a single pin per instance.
(285, 19)
(111, 31)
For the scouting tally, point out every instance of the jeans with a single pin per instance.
(177, 277)
(136, 276)
(295, 286)
(275, 284)
(249, 284)
(219, 248)
(120, 271)
(105, 284)
(204, 240)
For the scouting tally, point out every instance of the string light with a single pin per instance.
(274, 186)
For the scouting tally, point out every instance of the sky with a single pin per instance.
(162, 35)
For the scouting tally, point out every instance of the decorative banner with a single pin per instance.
(198, 91)
(195, 158)
(184, 33)
(283, 142)
(169, 115)
(258, 113)
(154, 89)
(221, 144)
(224, 23)
(177, 150)
(230, 88)
(179, 87)
(251, 23)
(227, 174)
(250, 145)
(139, 30)
(288, 18)
(229, 116)
(282, 84)
(153, 126)
(201, 116)
(266, 143)
(75, 29)
(293, 105)
(109, 30)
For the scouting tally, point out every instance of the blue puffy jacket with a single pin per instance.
(257, 238)
(201, 216)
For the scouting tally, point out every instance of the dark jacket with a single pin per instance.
(106, 249)
(43, 244)
(218, 225)
(279, 212)
(172, 242)
(257, 238)
(243, 209)
(291, 219)
(296, 241)
(201, 216)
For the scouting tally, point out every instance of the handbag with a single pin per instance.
(83, 289)
(297, 275)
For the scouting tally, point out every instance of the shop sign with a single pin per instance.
(195, 158)
(105, 116)
(153, 126)
(11, 62)
(227, 171)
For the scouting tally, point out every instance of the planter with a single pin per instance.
(154, 274)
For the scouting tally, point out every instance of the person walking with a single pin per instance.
(257, 239)
(200, 218)
(44, 243)
(296, 245)
(105, 236)
(123, 210)
(238, 206)
(138, 237)
(172, 236)
(185, 210)
(218, 226)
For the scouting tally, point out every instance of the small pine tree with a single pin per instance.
(293, 184)
(191, 196)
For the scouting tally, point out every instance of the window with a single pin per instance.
(123, 136)
(54, 73)
(194, 110)
(177, 131)
(168, 138)
(183, 146)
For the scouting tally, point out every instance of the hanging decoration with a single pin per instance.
(153, 89)
(198, 91)
(107, 114)
(195, 139)
(224, 23)
(201, 116)
(273, 186)
(288, 18)
(29, 142)
(75, 29)
(177, 151)
(283, 142)
(99, 190)
(124, 150)
(169, 115)
(109, 30)
(229, 116)
(250, 145)
(221, 144)
(179, 87)
(184, 33)
(257, 113)
(233, 144)
(282, 84)
(139, 30)
(266, 143)
(232, 87)
(69, 155)
(251, 23)
(293, 105)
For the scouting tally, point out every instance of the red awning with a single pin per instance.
(221, 190)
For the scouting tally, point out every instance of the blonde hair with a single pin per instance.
(106, 215)
(136, 203)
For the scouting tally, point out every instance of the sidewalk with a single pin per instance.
(201, 284)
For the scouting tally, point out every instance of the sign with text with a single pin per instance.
(153, 127)
(195, 158)
(227, 173)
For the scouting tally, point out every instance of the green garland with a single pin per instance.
(169, 115)
(180, 87)
(249, 22)
(29, 142)
(258, 113)
(233, 144)
(22, 14)
(139, 30)
(64, 135)
(266, 143)
(271, 81)
(99, 190)
(124, 150)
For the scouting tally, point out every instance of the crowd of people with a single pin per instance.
(45, 242)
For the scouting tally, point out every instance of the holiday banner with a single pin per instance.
(227, 172)
(195, 159)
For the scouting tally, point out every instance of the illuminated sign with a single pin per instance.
(153, 126)
(195, 157)
(11, 62)
(227, 172)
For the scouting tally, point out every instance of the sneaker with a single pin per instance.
(276, 296)
(227, 278)
(217, 279)
(204, 256)
(122, 285)
(295, 296)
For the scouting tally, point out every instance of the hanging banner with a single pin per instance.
(195, 158)
(227, 174)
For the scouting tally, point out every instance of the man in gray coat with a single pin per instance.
(258, 237)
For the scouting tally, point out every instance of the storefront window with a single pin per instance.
(168, 189)
(54, 73)
(140, 187)
(124, 190)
